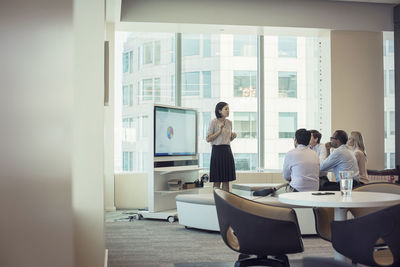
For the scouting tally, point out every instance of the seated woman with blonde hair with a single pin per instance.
(356, 143)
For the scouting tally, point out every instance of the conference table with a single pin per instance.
(340, 204)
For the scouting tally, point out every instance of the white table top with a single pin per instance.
(357, 199)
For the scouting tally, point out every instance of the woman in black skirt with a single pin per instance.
(220, 135)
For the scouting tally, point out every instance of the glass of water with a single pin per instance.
(346, 182)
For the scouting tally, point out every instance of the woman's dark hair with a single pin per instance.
(219, 107)
(303, 136)
(341, 136)
(316, 134)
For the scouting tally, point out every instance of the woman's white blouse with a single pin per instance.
(225, 137)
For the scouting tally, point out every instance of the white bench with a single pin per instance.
(198, 211)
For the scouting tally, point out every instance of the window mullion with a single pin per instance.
(260, 101)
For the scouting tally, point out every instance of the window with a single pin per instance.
(191, 84)
(245, 45)
(245, 161)
(130, 61)
(148, 53)
(190, 44)
(206, 46)
(245, 83)
(392, 122)
(386, 159)
(206, 84)
(127, 159)
(392, 161)
(223, 67)
(157, 90)
(281, 159)
(125, 62)
(245, 124)
(391, 83)
(125, 95)
(287, 46)
(389, 100)
(385, 115)
(287, 124)
(206, 116)
(147, 89)
(287, 84)
(130, 95)
(157, 52)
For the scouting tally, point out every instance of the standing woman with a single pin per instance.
(356, 143)
(220, 135)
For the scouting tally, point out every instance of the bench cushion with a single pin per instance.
(202, 199)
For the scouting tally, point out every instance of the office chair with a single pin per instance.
(356, 238)
(262, 234)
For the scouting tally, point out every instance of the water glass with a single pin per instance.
(346, 182)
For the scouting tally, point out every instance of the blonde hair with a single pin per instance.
(358, 141)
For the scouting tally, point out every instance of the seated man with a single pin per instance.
(342, 159)
(315, 144)
(301, 165)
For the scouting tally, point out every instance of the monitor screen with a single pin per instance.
(174, 131)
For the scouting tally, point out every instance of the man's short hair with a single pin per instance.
(341, 136)
(303, 136)
(316, 134)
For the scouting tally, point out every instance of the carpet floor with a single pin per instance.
(148, 243)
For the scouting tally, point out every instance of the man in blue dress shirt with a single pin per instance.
(341, 159)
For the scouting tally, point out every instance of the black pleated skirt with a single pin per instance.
(222, 164)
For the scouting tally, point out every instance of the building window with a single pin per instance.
(127, 161)
(125, 62)
(245, 161)
(287, 84)
(191, 83)
(244, 83)
(391, 82)
(385, 123)
(206, 116)
(287, 124)
(206, 45)
(131, 95)
(148, 53)
(281, 159)
(130, 61)
(157, 93)
(157, 52)
(147, 89)
(392, 161)
(245, 45)
(392, 122)
(206, 84)
(245, 124)
(125, 95)
(190, 45)
(287, 46)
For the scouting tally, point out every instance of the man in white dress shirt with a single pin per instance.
(341, 159)
(301, 165)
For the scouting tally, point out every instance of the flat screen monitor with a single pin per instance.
(175, 131)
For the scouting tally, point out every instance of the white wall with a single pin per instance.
(280, 13)
(36, 105)
(358, 89)
(88, 146)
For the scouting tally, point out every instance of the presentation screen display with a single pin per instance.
(174, 132)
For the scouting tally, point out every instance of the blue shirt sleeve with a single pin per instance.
(330, 162)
